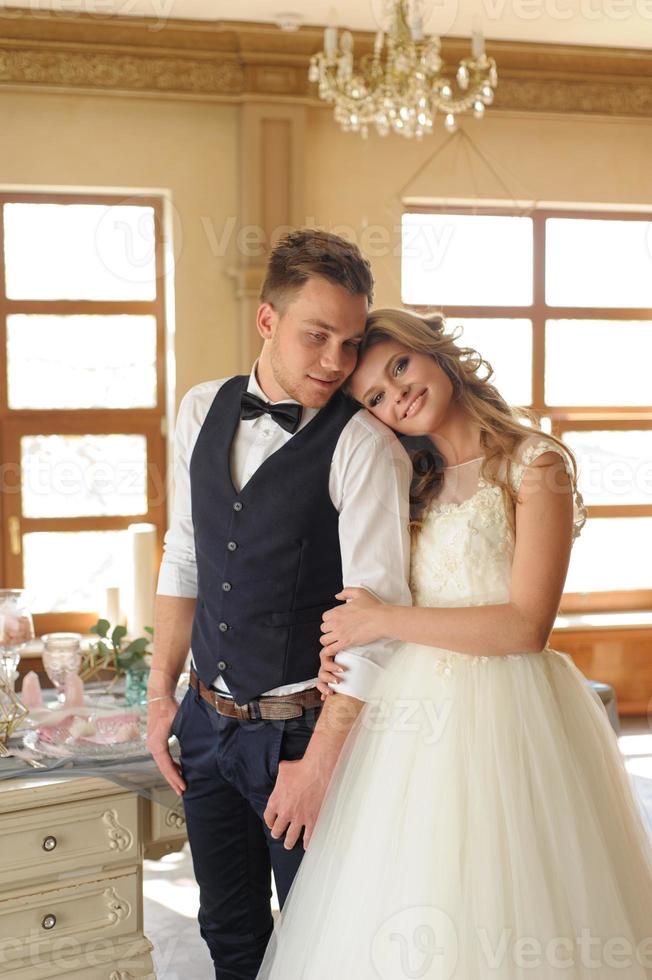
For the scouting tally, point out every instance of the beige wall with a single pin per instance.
(191, 149)
(186, 148)
(357, 183)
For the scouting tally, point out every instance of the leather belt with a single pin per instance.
(268, 708)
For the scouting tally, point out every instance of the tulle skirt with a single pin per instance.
(479, 825)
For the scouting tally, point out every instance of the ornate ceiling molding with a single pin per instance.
(237, 61)
(117, 71)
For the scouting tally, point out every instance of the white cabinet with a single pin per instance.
(71, 880)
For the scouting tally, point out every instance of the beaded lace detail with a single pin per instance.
(463, 553)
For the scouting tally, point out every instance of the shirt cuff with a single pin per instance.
(360, 677)
(177, 580)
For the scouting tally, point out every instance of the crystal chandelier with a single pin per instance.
(402, 85)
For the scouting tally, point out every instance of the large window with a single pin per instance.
(82, 395)
(560, 303)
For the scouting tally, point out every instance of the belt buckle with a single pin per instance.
(254, 711)
(248, 712)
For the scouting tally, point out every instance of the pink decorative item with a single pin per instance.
(91, 730)
(30, 693)
(73, 691)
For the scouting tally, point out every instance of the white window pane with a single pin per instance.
(81, 361)
(593, 262)
(507, 345)
(466, 260)
(612, 554)
(83, 476)
(598, 362)
(68, 571)
(615, 467)
(80, 251)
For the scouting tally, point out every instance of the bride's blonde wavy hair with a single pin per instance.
(502, 427)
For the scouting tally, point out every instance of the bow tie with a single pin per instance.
(287, 415)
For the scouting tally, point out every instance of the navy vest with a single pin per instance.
(268, 558)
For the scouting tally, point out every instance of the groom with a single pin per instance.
(284, 491)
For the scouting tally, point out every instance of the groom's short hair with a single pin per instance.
(310, 254)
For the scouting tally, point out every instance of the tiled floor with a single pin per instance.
(171, 893)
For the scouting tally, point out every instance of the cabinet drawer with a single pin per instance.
(167, 820)
(58, 922)
(67, 837)
(124, 959)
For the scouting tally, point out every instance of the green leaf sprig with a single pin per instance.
(110, 648)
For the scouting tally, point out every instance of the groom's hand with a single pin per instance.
(296, 800)
(160, 715)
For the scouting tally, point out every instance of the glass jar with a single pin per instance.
(136, 685)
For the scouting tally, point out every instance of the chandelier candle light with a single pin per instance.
(402, 85)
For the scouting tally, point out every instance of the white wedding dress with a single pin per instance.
(480, 824)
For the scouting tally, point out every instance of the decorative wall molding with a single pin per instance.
(579, 95)
(272, 188)
(101, 70)
(238, 62)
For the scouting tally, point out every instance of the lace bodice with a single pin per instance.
(463, 554)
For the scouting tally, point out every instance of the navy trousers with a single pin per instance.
(230, 768)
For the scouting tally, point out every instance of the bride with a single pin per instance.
(479, 823)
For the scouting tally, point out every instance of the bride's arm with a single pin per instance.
(544, 527)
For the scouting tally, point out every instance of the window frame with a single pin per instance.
(563, 417)
(15, 423)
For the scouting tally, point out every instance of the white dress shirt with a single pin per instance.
(368, 485)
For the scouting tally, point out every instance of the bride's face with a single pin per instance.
(405, 390)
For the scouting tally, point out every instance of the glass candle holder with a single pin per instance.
(61, 656)
(16, 629)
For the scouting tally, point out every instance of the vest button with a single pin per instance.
(222, 665)
(227, 586)
(237, 505)
(223, 627)
(232, 545)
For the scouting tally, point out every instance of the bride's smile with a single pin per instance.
(404, 389)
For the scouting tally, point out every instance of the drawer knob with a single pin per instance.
(49, 843)
(49, 921)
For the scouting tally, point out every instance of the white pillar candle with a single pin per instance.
(112, 610)
(140, 609)
(330, 41)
